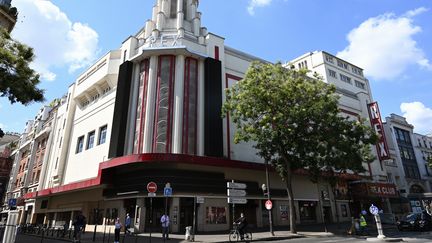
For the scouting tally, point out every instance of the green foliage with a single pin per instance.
(1, 133)
(17, 80)
(295, 119)
(294, 122)
(429, 161)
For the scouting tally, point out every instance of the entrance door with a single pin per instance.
(186, 213)
(328, 214)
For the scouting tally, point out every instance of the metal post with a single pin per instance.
(151, 217)
(96, 211)
(194, 220)
(103, 239)
(379, 227)
(268, 198)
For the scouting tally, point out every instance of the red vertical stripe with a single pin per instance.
(229, 76)
(216, 54)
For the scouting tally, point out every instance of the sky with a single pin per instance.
(390, 39)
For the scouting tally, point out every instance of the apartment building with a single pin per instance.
(356, 102)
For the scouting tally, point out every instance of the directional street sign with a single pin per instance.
(236, 193)
(167, 191)
(236, 185)
(237, 200)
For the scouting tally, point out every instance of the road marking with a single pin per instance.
(341, 240)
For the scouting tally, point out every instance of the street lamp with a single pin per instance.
(266, 191)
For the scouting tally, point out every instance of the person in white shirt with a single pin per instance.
(165, 226)
(117, 229)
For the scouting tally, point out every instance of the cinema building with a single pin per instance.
(151, 112)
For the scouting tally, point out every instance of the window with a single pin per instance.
(90, 140)
(80, 145)
(190, 106)
(360, 85)
(329, 58)
(332, 73)
(216, 215)
(346, 79)
(389, 178)
(357, 71)
(141, 107)
(344, 210)
(419, 142)
(164, 102)
(106, 90)
(102, 135)
(173, 12)
(342, 64)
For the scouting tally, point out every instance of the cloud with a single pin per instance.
(418, 115)
(384, 45)
(257, 3)
(2, 126)
(57, 41)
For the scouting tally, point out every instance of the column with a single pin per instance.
(150, 106)
(178, 105)
(200, 119)
(180, 18)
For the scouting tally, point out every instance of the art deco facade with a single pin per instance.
(151, 111)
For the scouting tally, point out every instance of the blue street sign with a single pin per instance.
(12, 202)
(167, 191)
(373, 209)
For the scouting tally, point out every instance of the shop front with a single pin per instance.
(365, 194)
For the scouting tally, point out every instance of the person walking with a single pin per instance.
(127, 224)
(79, 226)
(165, 226)
(241, 225)
(117, 228)
(363, 224)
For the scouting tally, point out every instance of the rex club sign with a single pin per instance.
(376, 122)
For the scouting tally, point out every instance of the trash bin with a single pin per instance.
(188, 235)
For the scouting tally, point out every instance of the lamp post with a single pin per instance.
(266, 191)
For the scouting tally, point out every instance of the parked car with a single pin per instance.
(415, 221)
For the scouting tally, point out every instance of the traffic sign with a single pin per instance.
(200, 200)
(237, 200)
(167, 191)
(236, 185)
(236, 193)
(373, 209)
(12, 202)
(269, 205)
(151, 194)
(151, 187)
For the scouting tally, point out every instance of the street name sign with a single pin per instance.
(237, 200)
(236, 185)
(236, 193)
(200, 200)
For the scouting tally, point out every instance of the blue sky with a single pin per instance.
(390, 39)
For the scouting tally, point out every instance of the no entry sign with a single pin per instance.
(151, 187)
(268, 204)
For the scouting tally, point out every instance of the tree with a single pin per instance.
(294, 122)
(17, 80)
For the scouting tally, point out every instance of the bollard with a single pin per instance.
(379, 227)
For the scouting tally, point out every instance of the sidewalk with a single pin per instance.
(262, 234)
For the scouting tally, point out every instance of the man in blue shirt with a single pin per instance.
(165, 226)
(127, 224)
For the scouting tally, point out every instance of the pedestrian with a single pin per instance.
(117, 228)
(127, 224)
(363, 224)
(165, 226)
(79, 225)
(241, 225)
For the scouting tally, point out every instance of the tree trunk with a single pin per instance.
(291, 200)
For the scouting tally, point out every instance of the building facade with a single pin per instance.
(356, 102)
(151, 112)
(8, 15)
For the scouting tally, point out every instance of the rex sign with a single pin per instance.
(375, 118)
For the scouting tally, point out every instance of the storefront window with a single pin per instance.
(344, 210)
(190, 106)
(216, 215)
(110, 215)
(141, 106)
(307, 210)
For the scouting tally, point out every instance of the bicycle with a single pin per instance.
(234, 235)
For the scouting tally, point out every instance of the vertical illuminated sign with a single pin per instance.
(375, 118)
